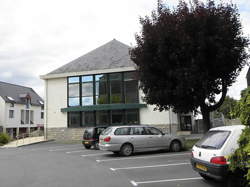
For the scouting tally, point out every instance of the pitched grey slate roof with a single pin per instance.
(15, 91)
(111, 55)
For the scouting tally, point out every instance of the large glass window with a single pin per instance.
(101, 89)
(87, 90)
(115, 88)
(117, 117)
(102, 118)
(132, 116)
(130, 87)
(74, 119)
(73, 91)
(112, 88)
(88, 118)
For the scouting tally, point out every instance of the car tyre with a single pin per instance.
(87, 146)
(175, 146)
(126, 150)
(205, 176)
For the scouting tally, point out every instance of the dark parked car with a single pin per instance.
(91, 137)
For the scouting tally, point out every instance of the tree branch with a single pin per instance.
(220, 102)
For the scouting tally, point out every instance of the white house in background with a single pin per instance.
(101, 88)
(21, 109)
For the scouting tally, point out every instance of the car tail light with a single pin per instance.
(219, 160)
(107, 139)
(192, 154)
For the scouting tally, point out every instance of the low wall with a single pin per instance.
(75, 134)
(62, 134)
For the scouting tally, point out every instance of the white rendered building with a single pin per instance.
(21, 109)
(101, 88)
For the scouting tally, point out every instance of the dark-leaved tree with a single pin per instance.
(189, 55)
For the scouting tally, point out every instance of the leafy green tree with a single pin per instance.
(188, 55)
(228, 107)
(240, 159)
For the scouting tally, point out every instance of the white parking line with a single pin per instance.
(77, 151)
(95, 154)
(160, 181)
(56, 147)
(152, 166)
(142, 157)
(63, 149)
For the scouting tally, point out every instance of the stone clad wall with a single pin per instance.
(65, 134)
(75, 134)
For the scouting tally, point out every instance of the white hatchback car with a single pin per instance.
(209, 155)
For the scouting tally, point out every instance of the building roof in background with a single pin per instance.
(12, 93)
(111, 55)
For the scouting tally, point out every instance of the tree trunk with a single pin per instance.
(206, 119)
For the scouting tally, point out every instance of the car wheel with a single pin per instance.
(205, 176)
(126, 150)
(175, 146)
(87, 146)
(96, 146)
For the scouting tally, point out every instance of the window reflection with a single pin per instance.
(87, 90)
(115, 88)
(101, 90)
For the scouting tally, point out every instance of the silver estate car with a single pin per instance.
(126, 140)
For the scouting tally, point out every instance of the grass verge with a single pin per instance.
(190, 143)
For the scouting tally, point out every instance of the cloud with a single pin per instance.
(39, 36)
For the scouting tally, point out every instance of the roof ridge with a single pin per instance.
(97, 50)
(16, 85)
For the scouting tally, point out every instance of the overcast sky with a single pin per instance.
(38, 36)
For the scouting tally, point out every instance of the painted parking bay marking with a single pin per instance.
(63, 149)
(77, 151)
(95, 154)
(152, 166)
(142, 157)
(162, 181)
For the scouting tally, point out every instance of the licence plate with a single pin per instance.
(86, 142)
(201, 167)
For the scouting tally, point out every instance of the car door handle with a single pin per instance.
(131, 138)
(150, 137)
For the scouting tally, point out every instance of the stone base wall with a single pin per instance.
(75, 134)
(65, 134)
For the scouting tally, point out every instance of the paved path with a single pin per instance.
(25, 141)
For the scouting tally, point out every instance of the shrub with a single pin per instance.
(240, 159)
(4, 138)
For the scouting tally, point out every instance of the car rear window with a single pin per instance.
(213, 139)
(88, 133)
(122, 131)
(106, 131)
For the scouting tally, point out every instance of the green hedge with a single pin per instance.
(4, 138)
(240, 159)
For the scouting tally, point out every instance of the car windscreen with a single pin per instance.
(213, 139)
(106, 131)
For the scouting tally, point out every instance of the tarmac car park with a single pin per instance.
(53, 164)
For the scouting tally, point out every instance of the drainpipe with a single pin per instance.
(46, 111)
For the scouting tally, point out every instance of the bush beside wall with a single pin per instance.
(4, 138)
